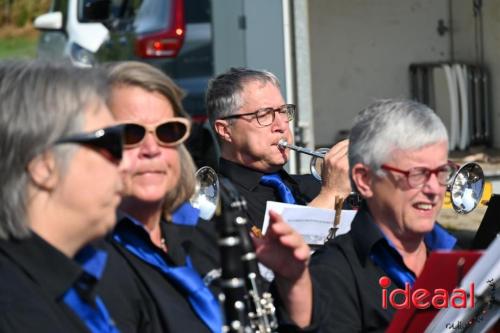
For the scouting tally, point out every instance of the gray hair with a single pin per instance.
(185, 187)
(391, 124)
(223, 97)
(40, 102)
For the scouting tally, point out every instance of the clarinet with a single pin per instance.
(247, 309)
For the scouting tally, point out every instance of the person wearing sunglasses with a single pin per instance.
(398, 157)
(158, 233)
(61, 181)
(249, 115)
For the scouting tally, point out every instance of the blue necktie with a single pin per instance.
(200, 297)
(274, 180)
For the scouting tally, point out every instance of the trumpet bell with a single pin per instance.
(316, 164)
(206, 194)
(466, 188)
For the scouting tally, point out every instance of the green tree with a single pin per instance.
(21, 12)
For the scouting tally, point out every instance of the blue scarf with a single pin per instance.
(202, 300)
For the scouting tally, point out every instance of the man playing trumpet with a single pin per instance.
(249, 115)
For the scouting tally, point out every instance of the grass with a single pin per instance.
(16, 43)
(18, 47)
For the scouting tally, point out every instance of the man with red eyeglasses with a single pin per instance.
(250, 116)
(398, 161)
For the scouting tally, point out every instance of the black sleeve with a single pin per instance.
(201, 245)
(286, 324)
(335, 307)
(124, 295)
(307, 189)
(350, 294)
(338, 296)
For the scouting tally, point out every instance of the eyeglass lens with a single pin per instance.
(266, 116)
(166, 133)
(417, 177)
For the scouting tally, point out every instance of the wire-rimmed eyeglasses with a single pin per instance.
(266, 116)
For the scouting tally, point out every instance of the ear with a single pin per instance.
(223, 129)
(43, 171)
(363, 177)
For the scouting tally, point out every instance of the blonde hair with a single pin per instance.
(185, 187)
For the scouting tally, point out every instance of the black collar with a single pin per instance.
(365, 233)
(246, 177)
(178, 239)
(49, 268)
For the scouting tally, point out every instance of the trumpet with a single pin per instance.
(317, 159)
(466, 185)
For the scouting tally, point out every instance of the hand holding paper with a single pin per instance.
(284, 251)
(312, 223)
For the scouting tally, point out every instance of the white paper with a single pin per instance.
(312, 223)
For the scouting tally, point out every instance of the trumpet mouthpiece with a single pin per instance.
(282, 143)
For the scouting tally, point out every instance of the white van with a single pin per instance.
(172, 35)
(64, 37)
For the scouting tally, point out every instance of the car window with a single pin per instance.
(59, 6)
(197, 11)
(124, 9)
(152, 15)
(117, 7)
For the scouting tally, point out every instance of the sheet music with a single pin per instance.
(312, 223)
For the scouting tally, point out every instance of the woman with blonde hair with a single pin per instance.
(158, 232)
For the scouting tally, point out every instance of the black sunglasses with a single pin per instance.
(170, 133)
(110, 139)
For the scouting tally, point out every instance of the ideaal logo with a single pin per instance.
(422, 298)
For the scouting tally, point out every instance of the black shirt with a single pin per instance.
(349, 280)
(34, 276)
(125, 296)
(167, 307)
(344, 270)
(247, 181)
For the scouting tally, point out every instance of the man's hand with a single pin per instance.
(335, 173)
(334, 176)
(284, 251)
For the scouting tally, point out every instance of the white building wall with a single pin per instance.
(361, 50)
